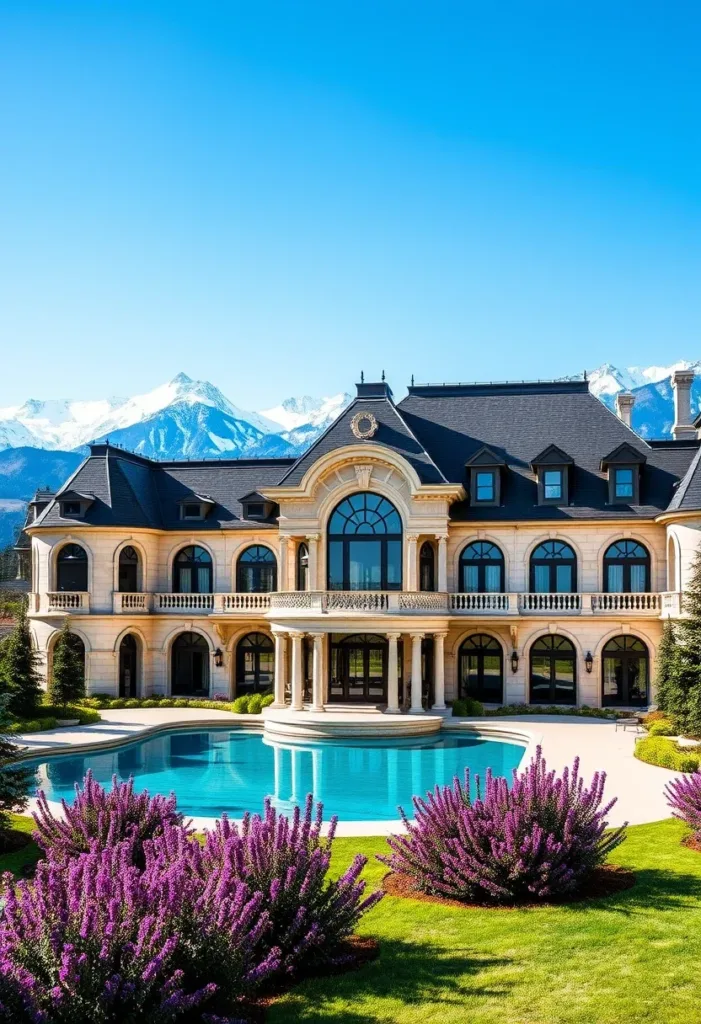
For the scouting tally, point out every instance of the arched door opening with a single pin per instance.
(128, 582)
(192, 571)
(72, 568)
(129, 667)
(481, 568)
(626, 568)
(365, 544)
(625, 672)
(256, 572)
(553, 671)
(255, 664)
(481, 669)
(358, 668)
(190, 666)
(427, 567)
(553, 569)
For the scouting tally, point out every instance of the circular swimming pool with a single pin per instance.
(213, 771)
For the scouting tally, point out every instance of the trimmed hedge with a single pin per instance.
(665, 753)
(251, 704)
(32, 725)
(467, 706)
(662, 727)
(47, 717)
(584, 711)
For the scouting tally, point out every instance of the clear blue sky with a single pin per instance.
(274, 195)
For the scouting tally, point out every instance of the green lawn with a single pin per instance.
(28, 854)
(632, 957)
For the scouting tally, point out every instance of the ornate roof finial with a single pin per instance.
(383, 376)
(362, 377)
(412, 380)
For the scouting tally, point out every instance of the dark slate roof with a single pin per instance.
(519, 421)
(687, 497)
(393, 432)
(130, 490)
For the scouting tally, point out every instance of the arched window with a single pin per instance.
(427, 567)
(72, 568)
(190, 666)
(626, 568)
(256, 572)
(192, 571)
(302, 567)
(255, 663)
(553, 568)
(128, 582)
(365, 544)
(553, 671)
(481, 669)
(625, 671)
(128, 666)
(481, 569)
(672, 565)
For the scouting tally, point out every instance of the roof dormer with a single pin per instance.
(74, 504)
(552, 470)
(195, 506)
(623, 466)
(484, 470)
(256, 506)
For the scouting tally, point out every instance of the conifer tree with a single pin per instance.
(684, 686)
(666, 660)
(14, 780)
(68, 675)
(18, 670)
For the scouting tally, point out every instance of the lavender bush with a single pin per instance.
(97, 939)
(539, 838)
(99, 818)
(287, 860)
(684, 797)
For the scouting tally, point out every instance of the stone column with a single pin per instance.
(393, 674)
(284, 573)
(317, 672)
(442, 563)
(416, 680)
(297, 672)
(313, 547)
(280, 669)
(412, 582)
(439, 671)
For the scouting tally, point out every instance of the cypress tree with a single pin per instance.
(684, 686)
(14, 780)
(18, 670)
(666, 662)
(67, 676)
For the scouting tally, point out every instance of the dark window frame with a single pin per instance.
(482, 562)
(564, 485)
(626, 653)
(495, 474)
(427, 567)
(70, 563)
(614, 497)
(554, 647)
(72, 510)
(488, 646)
(263, 644)
(185, 514)
(194, 562)
(195, 644)
(126, 562)
(363, 523)
(626, 561)
(260, 563)
(302, 567)
(552, 562)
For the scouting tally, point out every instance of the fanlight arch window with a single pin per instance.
(553, 671)
(302, 567)
(72, 568)
(190, 666)
(192, 571)
(427, 567)
(553, 568)
(626, 568)
(128, 582)
(481, 568)
(625, 672)
(256, 571)
(365, 544)
(481, 669)
(255, 664)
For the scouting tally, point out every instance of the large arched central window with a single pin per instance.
(365, 544)
(72, 568)
(626, 568)
(625, 666)
(256, 572)
(192, 571)
(553, 568)
(481, 569)
(553, 671)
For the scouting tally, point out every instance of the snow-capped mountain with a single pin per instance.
(653, 412)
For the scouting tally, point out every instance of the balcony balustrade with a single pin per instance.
(131, 604)
(68, 602)
(483, 604)
(178, 603)
(631, 604)
(567, 604)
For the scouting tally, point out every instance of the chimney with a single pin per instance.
(682, 429)
(624, 406)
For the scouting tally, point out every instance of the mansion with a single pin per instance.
(515, 543)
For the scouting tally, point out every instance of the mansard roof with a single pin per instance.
(687, 497)
(552, 456)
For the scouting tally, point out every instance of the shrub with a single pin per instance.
(14, 780)
(100, 940)
(98, 818)
(180, 702)
(19, 677)
(32, 725)
(150, 703)
(67, 682)
(467, 706)
(663, 727)
(241, 706)
(666, 754)
(268, 700)
(167, 702)
(287, 860)
(538, 839)
(132, 702)
(255, 704)
(684, 797)
(117, 703)
(583, 711)
(654, 716)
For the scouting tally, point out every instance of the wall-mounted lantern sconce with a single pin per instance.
(218, 657)
(588, 661)
(514, 661)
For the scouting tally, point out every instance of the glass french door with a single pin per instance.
(358, 669)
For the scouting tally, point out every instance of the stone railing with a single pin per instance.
(421, 601)
(540, 603)
(631, 604)
(358, 601)
(131, 604)
(202, 603)
(483, 604)
(671, 605)
(75, 602)
(241, 602)
(369, 601)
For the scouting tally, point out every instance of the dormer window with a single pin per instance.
(71, 508)
(256, 506)
(195, 506)
(485, 488)
(623, 483)
(484, 470)
(624, 467)
(74, 504)
(192, 511)
(255, 510)
(552, 468)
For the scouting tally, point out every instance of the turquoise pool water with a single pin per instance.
(217, 770)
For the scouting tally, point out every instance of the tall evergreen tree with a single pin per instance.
(684, 686)
(666, 662)
(14, 780)
(18, 670)
(68, 673)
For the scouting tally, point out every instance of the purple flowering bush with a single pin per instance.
(684, 797)
(538, 838)
(97, 939)
(99, 818)
(287, 861)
